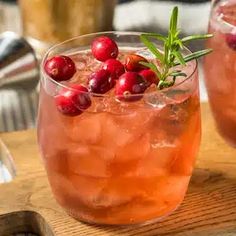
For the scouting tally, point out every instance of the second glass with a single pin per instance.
(220, 68)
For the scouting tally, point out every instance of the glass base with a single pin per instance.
(142, 223)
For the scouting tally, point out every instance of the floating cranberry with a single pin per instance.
(231, 41)
(104, 48)
(132, 62)
(60, 68)
(101, 81)
(72, 101)
(115, 68)
(150, 76)
(81, 99)
(130, 83)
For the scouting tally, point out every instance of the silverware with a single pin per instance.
(18, 63)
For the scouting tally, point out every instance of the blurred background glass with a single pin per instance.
(46, 22)
(220, 68)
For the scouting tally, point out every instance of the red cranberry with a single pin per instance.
(132, 62)
(73, 101)
(115, 68)
(100, 82)
(231, 41)
(150, 76)
(128, 84)
(81, 99)
(60, 68)
(104, 48)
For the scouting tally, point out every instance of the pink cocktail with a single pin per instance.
(220, 68)
(119, 162)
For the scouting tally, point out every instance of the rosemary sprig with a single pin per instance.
(171, 55)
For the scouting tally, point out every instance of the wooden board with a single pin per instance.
(26, 203)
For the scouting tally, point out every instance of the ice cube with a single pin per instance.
(116, 107)
(53, 142)
(72, 190)
(113, 136)
(129, 116)
(80, 64)
(63, 190)
(88, 189)
(85, 60)
(177, 96)
(160, 99)
(89, 161)
(156, 100)
(136, 122)
(99, 104)
(170, 122)
(157, 162)
(119, 191)
(146, 54)
(135, 150)
(79, 77)
(85, 129)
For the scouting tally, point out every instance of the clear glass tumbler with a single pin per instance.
(119, 162)
(220, 68)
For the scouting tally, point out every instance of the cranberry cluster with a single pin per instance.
(130, 79)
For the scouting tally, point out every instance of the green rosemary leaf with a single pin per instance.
(166, 51)
(196, 55)
(152, 66)
(165, 84)
(174, 21)
(179, 56)
(177, 34)
(151, 47)
(156, 36)
(178, 73)
(179, 43)
(172, 52)
(196, 37)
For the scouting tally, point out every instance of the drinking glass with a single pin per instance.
(119, 162)
(46, 22)
(220, 68)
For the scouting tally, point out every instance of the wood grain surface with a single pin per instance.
(209, 208)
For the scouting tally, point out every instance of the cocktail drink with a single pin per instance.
(118, 142)
(220, 68)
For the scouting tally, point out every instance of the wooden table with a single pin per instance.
(26, 204)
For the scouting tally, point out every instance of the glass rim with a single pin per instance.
(219, 16)
(134, 33)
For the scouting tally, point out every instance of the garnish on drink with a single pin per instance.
(171, 55)
(135, 73)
